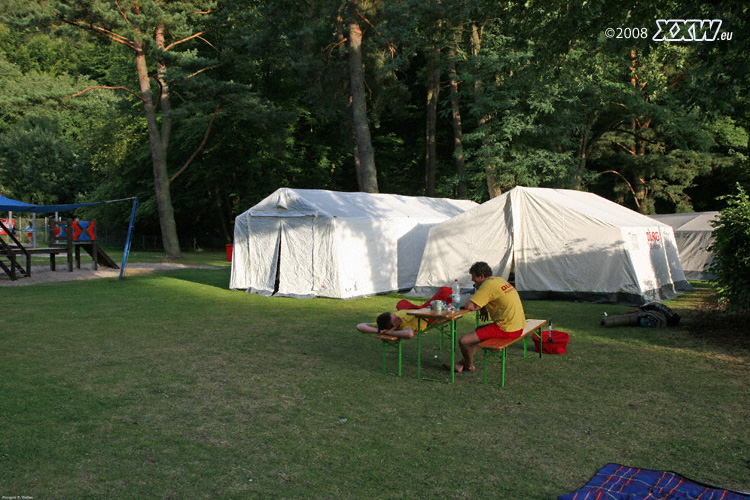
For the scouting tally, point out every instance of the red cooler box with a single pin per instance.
(558, 345)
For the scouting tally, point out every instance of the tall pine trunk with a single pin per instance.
(458, 145)
(159, 161)
(366, 174)
(433, 92)
(476, 45)
(641, 190)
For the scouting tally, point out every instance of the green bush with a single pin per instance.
(731, 248)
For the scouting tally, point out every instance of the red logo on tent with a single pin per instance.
(654, 239)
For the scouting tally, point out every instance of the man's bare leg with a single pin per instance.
(469, 344)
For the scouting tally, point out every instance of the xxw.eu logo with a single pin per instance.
(689, 30)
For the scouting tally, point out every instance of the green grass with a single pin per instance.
(171, 386)
(198, 258)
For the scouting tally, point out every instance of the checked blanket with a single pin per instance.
(617, 482)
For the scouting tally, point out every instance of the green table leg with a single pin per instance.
(453, 350)
(441, 332)
(385, 351)
(397, 347)
(419, 348)
(502, 370)
(541, 344)
(399, 358)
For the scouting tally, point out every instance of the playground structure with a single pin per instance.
(68, 238)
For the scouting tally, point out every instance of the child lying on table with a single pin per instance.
(400, 324)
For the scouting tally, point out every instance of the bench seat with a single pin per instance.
(497, 347)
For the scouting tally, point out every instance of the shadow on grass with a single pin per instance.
(703, 326)
(218, 277)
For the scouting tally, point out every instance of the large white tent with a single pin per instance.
(315, 243)
(558, 243)
(694, 235)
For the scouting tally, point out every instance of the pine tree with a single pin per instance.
(155, 32)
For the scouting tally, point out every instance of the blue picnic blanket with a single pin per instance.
(617, 482)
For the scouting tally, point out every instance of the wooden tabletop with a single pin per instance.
(446, 314)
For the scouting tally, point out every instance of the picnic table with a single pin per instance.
(445, 321)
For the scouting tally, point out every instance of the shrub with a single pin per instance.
(731, 248)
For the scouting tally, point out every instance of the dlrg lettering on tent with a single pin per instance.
(654, 239)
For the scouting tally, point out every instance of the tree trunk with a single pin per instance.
(164, 99)
(433, 91)
(159, 161)
(367, 174)
(458, 145)
(641, 190)
(476, 45)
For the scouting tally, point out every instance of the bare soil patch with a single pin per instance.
(43, 274)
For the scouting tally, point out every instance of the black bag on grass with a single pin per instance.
(672, 318)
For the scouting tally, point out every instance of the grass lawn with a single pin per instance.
(171, 386)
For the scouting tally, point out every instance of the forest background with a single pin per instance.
(203, 108)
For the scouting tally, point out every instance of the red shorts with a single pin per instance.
(492, 331)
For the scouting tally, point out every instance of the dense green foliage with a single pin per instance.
(731, 249)
(260, 99)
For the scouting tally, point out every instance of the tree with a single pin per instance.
(651, 118)
(538, 96)
(731, 249)
(653, 137)
(458, 131)
(365, 155)
(521, 135)
(44, 137)
(150, 29)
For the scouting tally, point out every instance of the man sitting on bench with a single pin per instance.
(499, 299)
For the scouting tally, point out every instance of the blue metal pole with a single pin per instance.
(130, 236)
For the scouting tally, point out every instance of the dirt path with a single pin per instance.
(42, 274)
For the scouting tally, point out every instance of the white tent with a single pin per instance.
(693, 233)
(308, 243)
(558, 243)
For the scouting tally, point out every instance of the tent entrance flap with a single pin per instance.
(295, 268)
(263, 257)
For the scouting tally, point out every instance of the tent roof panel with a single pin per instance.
(590, 205)
(693, 221)
(287, 202)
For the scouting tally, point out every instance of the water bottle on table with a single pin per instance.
(456, 295)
